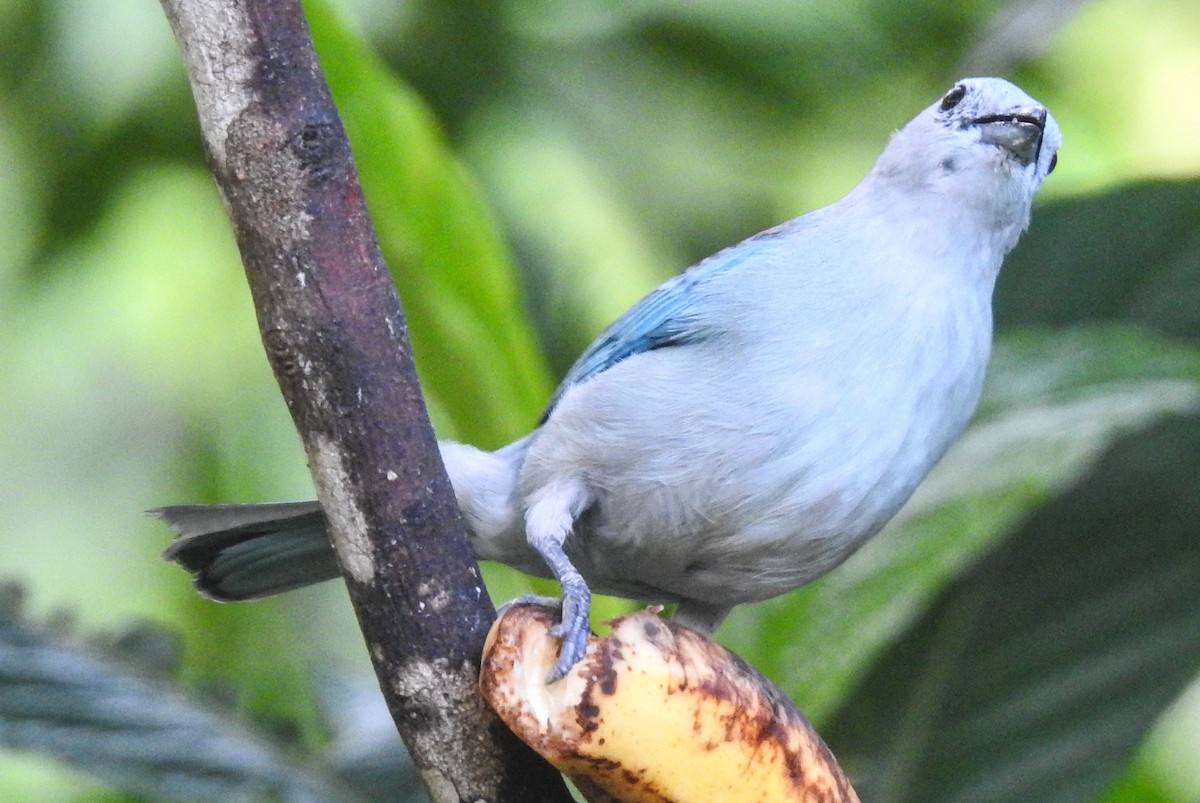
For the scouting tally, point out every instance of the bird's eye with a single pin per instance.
(953, 97)
(1053, 164)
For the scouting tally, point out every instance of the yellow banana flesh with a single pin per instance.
(655, 713)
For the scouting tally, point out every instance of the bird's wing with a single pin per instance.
(666, 317)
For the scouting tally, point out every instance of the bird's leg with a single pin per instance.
(573, 629)
(548, 521)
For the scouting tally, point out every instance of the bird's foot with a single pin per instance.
(574, 637)
(573, 628)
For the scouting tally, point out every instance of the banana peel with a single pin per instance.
(655, 713)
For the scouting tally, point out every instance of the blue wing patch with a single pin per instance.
(665, 317)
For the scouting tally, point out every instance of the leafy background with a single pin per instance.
(1028, 630)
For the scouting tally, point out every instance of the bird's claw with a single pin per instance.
(574, 646)
(572, 629)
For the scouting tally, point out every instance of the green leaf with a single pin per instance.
(1054, 402)
(1141, 784)
(1132, 253)
(1034, 675)
(480, 367)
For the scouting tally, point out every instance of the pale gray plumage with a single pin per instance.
(750, 423)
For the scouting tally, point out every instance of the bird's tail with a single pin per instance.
(240, 552)
(237, 552)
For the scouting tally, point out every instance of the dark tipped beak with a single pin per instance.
(1019, 132)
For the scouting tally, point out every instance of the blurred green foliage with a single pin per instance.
(533, 168)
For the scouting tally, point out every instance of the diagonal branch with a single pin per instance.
(334, 332)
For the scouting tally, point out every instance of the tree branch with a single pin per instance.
(335, 335)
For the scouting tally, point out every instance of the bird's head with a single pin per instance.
(983, 145)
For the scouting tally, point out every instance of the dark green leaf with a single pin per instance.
(1035, 675)
(135, 732)
(1132, 253)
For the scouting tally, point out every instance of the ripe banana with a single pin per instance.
(655, 713)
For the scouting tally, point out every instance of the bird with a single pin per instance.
(750, 423)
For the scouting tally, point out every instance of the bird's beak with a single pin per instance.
(1019, 132)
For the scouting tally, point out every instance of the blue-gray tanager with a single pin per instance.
(749, 424)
